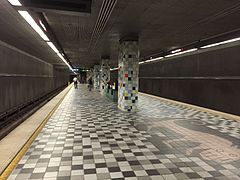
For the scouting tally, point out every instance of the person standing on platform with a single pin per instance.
(90, 84)
(75, 81)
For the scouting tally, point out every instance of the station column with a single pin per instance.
(89, 74)
(104, 75)
(128, 75)
(96, 76)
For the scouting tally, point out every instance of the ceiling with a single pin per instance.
(16, 32)
(86, 37)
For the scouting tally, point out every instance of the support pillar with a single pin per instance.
(96, 76)
(105, 75)
(89, 74)
(128, 75)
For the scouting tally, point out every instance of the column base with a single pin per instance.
(127, 110)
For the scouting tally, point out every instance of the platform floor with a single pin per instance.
(89, 138)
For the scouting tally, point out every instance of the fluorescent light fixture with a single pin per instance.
(176, 51)
(53, 47)
(221, 43)
(114, 69)
(61, 56)
(40, 22)
(34, 25)
(64, 60)
(183, 52)
(154, 59)
(15, 2)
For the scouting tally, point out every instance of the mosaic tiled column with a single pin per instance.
(96, 76)
(104, 75)
(89, 74)
(128, 75)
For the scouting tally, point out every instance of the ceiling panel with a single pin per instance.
(160, 25)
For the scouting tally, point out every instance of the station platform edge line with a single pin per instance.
(6, 173)
(207, 110)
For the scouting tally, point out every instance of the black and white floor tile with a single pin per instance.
(88, 138)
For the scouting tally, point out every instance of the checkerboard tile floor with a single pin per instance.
(88, 138)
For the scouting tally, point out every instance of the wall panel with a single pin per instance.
(24, 78)
(209, 79)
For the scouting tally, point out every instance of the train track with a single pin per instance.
(11, 119)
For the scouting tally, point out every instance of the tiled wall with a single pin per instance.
(96, 76)
(104, 75)
(89, 74)
(128, 76)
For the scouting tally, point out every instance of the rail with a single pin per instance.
(16, 115)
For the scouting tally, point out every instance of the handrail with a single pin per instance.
(24, 75)
(195, 78)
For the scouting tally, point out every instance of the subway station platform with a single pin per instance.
(89, 138)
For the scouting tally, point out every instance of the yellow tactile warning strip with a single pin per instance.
(6, 173)
(222, 114)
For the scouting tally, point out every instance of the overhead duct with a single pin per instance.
(103, 17)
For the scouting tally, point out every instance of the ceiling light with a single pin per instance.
(154, 59)
(34, 25)
(221, 43)
(41, 23)
(183, 52)
(114, 69)
(64, 60)
(175, 51)
(15, 2)
(53, 47)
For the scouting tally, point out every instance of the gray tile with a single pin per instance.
(89, 137)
